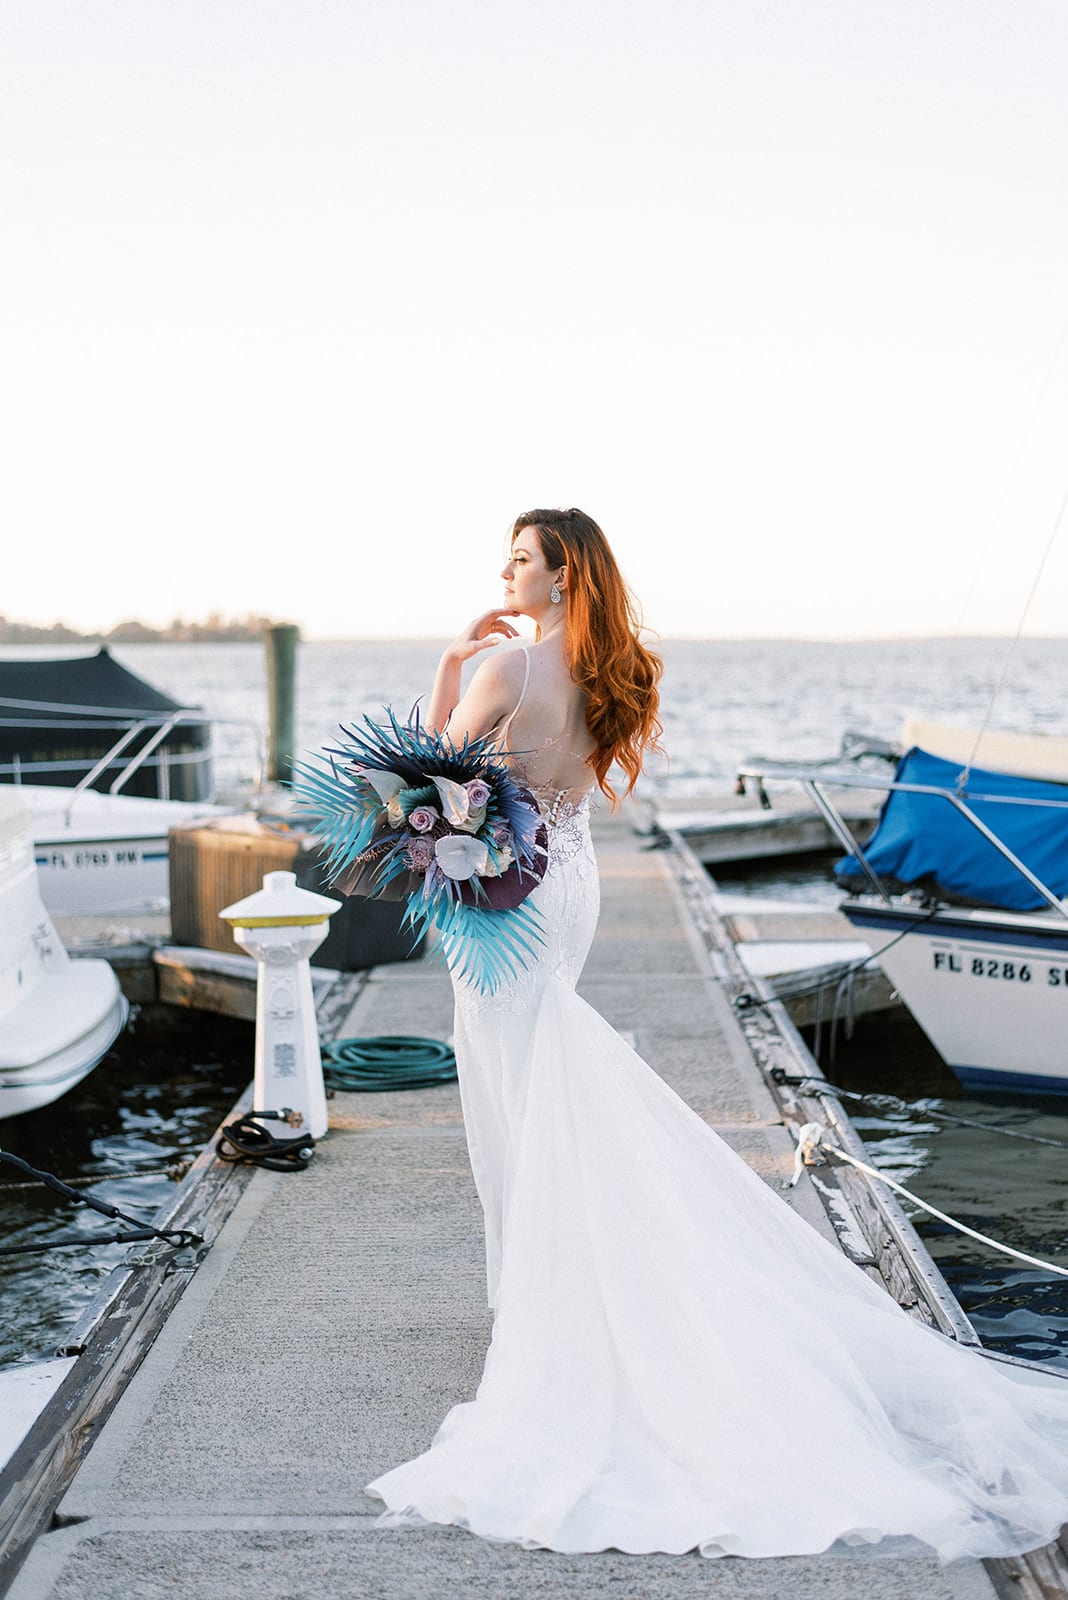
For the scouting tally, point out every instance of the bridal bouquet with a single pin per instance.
(407, 815)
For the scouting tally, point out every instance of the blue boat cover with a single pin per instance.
(923, 842)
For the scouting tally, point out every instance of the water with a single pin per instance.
(723, 702)
(1007, 1188)
(159, 1093)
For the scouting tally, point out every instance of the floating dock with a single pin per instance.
(809, 955)
(341, 1311)
(726, 828)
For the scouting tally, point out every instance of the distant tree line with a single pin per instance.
(215, 629)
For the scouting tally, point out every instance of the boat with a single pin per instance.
(963, 888)
(88, 720)
(105, 854)
(106, 765)
(58, 1017)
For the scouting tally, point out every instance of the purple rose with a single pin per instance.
(420, 854)
(478, 793)
(423, 818)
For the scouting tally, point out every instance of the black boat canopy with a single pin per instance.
(94, 682)
(59, 718)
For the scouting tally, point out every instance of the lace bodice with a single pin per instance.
(567, 822)
(566, 901)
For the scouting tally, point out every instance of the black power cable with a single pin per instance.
(245, 1140)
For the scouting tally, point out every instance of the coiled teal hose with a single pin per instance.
(387, 1061)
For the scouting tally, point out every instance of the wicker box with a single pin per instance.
(214, 865)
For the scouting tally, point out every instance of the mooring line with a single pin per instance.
(812, 1137)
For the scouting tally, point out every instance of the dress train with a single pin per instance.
(670, 1337)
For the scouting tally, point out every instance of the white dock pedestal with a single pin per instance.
(282, 927)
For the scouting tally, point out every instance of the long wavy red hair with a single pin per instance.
(608, 661)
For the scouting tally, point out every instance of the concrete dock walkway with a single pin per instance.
(342, 1312)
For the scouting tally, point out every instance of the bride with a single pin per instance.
(667, 1332)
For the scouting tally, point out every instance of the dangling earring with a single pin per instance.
(554, 594)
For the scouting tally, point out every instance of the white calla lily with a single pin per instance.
(385, 784)
(461, 857)
(455, 803)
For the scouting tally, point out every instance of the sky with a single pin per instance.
(302, 303)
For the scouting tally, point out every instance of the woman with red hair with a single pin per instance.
(668, 1334)
(584, 696)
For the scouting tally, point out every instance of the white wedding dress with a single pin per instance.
(671, 1339)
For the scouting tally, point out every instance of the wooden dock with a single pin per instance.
(341, 1311)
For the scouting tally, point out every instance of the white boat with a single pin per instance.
(104, 854)
(106, 764)
(989, 989)
(963, 891)
(58, 1017)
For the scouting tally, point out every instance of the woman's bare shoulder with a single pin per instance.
(503, 667)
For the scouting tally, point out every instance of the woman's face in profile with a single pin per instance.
(527, 580)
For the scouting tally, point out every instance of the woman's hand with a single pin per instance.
(491, 628)
(485, 631)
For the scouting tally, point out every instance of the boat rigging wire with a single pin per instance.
(893, 1102)
(1010, 651)
(1040, 397)
(177, 1169)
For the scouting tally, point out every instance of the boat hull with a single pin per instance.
(57, 1016)
(28, 1088)
(102, 855)
(989, 989)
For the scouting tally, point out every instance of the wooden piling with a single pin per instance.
(281, 643)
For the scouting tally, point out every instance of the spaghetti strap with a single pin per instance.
(506, 724)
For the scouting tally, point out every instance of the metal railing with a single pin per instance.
(815, 777)
(130, 725)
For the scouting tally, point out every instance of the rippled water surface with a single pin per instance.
(722, 701)
(144, 1112)
(995, 1181)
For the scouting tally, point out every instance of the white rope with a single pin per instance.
(812, 1137)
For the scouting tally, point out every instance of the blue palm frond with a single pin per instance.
(341, 810)
(480, 945)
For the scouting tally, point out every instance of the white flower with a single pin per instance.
(395, 812)
(460, 857)
(504, 860)
(384, 784)
(474, 821)
(454, 801)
